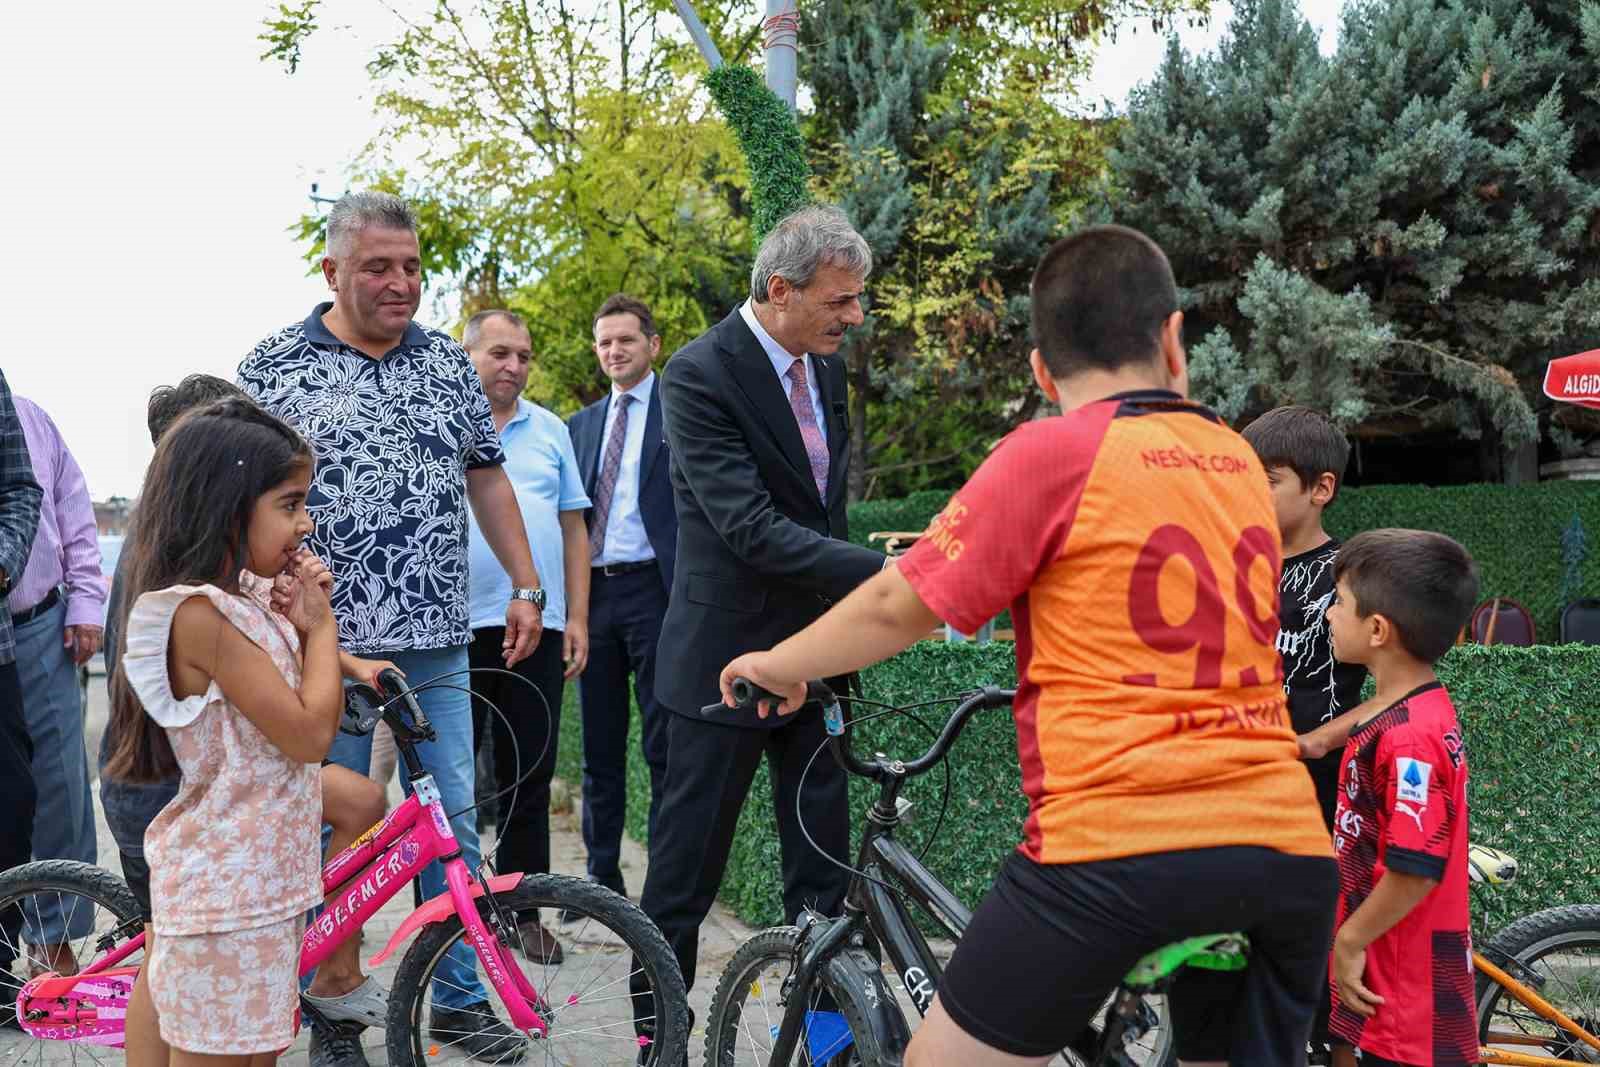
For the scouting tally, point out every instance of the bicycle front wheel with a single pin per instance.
(1558, 951)
(751, 998)
(585, 999)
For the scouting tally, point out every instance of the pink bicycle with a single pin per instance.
(579, 1011)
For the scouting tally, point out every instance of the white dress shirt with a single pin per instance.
(782, 361)
(626, 540)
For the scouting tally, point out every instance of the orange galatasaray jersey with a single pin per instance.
(1135, 542)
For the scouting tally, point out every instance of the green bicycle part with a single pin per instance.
(1209, 952)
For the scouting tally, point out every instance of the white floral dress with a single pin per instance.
(235, 858)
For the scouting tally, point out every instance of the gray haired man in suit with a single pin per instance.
(755, 418)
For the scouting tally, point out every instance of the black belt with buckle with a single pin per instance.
(612, 570)
(22, 618)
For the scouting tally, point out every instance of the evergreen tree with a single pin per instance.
(955, 202)
(1402, 234)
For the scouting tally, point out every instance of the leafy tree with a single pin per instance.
(565, 154)
(957, 185)
(1402, 234)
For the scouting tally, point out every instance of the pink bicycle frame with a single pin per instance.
(356, 883)
(388, 857)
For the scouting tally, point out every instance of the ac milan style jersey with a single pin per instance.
(1403, 807)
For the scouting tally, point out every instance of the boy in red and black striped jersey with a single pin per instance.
(1401, 963)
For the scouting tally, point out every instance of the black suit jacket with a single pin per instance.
(760, 554)
(587, 428)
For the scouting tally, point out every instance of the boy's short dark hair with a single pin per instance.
(623, 304)
(1424, 583)
(1304, 440)
(167, 402)
(1099, 300)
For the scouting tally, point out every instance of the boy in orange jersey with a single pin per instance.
(1401, 962)
(1133, 539)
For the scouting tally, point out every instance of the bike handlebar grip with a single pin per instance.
(392, 681)
(747, 695)
(394, 685)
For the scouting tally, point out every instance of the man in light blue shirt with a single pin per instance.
(544, 474)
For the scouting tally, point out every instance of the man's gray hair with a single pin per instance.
(805, 240)
(354, 212)
(473, 333)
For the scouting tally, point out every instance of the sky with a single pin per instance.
(151, 167)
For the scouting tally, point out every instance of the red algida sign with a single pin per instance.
(1575, 379)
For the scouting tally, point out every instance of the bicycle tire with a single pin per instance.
(852, 978)
(97, 883)
(407, 1028)
(1531, 941)
(82, 880)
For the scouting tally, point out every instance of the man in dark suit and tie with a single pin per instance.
(755, 418)
(633, 534)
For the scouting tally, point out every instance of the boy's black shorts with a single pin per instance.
(1049, 943)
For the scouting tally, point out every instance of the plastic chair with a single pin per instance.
(1580, 621)
(1502, 621)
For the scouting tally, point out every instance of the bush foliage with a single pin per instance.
(1513, 531)
(1531, 718)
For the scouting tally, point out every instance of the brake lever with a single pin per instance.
(363, 707)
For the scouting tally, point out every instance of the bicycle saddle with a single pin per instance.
(1490, 866)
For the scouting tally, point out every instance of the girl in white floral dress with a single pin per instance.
(231, 675)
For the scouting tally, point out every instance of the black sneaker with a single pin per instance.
(335, 1044)
(475, 1030)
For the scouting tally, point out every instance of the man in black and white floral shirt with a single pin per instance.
(404, 441)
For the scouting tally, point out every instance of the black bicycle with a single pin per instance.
(814, 993)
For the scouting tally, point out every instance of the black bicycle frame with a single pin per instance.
(892, 921)
(872, 908)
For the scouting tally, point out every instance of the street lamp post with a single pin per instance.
(780, 42)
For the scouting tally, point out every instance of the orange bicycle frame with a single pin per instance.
(1530, 999)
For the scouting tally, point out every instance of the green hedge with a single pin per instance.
(1514, 531)
(1531, 716)
(901, 514)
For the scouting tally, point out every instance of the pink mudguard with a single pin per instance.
(437, 909)
(87, 1009)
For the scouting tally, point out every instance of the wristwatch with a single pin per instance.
(536, 597)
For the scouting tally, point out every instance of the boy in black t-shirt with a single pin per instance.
(1305, 457)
